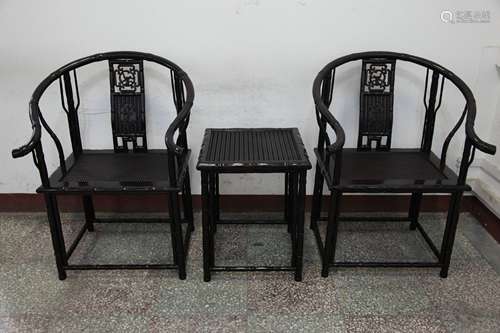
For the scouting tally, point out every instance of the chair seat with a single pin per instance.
(105, 170)
(397, 170)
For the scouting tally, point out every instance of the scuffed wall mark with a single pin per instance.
(246, 4)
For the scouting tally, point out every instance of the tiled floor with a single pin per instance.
(350, 300)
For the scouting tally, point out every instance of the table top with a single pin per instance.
(252, 150)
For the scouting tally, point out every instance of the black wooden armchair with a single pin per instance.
(130, 167)
(375, 167)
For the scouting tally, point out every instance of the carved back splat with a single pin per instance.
(127, 105)
(376, 104)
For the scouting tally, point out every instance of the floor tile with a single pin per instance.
(198, 323)
(221, 296)
(106, 324)
(381, 295)
(472, 289)
(421, 322)
(278, 293)
(24, 323)
(296, 323)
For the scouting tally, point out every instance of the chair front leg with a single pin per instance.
(450, 232)
(56, 234)
(331, 232)
(176, 233)
(187, 201)
(317, 196)
(88, 207)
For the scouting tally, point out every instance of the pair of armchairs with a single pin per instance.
(131, 167)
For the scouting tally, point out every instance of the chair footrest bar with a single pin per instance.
(136, 220)
(77, 240)
(428, 241)
(370, 218)
(251, 268)
(385, 264)
(319, 241)
(187, 239)
(251, 221)
(124, 266)
(82, 231)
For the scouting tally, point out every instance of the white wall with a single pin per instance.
(252, 63)
(485, 172)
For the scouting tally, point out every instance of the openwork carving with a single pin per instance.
(377, 77)
(376, 104)
(127, 105)
(127, 78)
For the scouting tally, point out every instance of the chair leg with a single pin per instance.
(187, 202)
(176, 232)
(173, 238)
(450, 232)
(331, 232)
(56, 234)
(415, 202)
(205, 226)
(88, 207)
(299, 227)
(317, 196)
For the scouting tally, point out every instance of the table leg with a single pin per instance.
(299, 229)
(292, 216)
(212, 215)
(287, 202)
(205, 225)
(217, 202)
